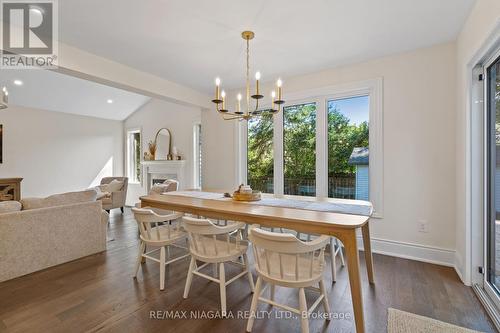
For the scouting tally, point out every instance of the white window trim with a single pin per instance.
(196, 154)
(374, 89)
(127, 152)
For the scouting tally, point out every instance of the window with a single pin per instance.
(327, 142)
(299, 147)
(134, 155)
(197, 156)
(348, 149)
(260, 170)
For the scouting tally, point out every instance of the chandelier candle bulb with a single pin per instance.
(279, 84)
(223, 95)
(273, 97)
(217, 86)
(257, 78)
(239, 102)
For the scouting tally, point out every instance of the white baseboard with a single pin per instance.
(458, 268)
(430, 254)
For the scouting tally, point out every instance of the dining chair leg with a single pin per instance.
(189, 279)
(143, 260)
(326, 304)
(139, 258)
(214, 270)
(162, 268)
(272, 290)
(245, 233)
(168, 252)
(334, 262)
(222, 283)
(249, 273)
(341, 251)
(253, 306)
(304, 321)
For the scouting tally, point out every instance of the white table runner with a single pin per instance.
(345, 206)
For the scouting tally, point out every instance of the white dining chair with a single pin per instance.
(281, 259)
(335, 250)
(159, 237)
(214, 244)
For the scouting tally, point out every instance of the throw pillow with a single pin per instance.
(32, 203)
(10, 206)
(101, 191)
(114, 186)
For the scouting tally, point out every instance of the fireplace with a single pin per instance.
(160, 178)
(156, 172)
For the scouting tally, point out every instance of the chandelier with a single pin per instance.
(4, 98)
(249, 110)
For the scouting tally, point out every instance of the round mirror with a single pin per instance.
(163, 143)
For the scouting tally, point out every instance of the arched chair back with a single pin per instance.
(150, 229)
(285, 259)
(214, 243)
(159, 231)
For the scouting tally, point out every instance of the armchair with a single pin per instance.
(115, 199)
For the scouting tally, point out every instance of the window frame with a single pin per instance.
(281, 165)
(372, 88)
(129, 131)
(197, 170)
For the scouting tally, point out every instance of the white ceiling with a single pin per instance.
(48, 90)
(191, 42)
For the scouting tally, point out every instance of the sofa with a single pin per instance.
(39, 233)
(115, 198)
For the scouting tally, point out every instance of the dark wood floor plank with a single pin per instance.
(98, 294)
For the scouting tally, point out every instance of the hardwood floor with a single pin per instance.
(98, 293)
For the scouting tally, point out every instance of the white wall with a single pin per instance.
(58, 152)
(419, 134)
(179, 119)
(485, 16)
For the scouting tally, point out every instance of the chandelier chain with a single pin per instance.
(248, 76)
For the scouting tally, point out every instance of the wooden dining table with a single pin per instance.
(340, 225)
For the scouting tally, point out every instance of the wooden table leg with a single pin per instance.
(352, 254)
(368, 251)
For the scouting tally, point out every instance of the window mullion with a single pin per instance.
(278, 153)
(321, 148)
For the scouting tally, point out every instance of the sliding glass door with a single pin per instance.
(492, 230)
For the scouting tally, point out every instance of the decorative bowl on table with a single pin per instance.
(245, 193)
(253, 196)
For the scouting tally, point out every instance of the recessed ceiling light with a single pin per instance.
(18, 82)
(110, 101)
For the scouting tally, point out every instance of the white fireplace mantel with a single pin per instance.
(163, 169)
